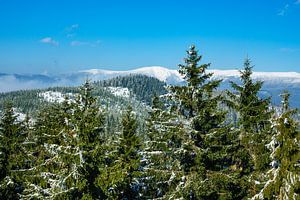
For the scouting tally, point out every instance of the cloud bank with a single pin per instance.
(85, 43)
(49, 40)
(11, 83)
(283, 11)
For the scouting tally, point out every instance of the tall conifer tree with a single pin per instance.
(12, 156)
(162, 167)
(68, 154)
(120, 177)
(284, 177)
(210, 148)
(254, 125)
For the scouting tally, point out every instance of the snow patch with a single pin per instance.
(119, 91)
(52, 97)
(20, 116)
(286, 121)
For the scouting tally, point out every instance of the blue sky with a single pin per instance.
(58, 36)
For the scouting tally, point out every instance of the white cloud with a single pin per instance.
(286, 49)
(49, 40)
(72, 28)
(11, 83)
(70, 35)
(78, 43)
(85, 43)
(283, 11)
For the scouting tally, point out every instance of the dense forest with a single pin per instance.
(197, 142)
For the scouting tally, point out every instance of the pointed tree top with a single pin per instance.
(285, 100)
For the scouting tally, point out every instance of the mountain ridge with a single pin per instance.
(274, 82)
(163, 73)
(170, 76)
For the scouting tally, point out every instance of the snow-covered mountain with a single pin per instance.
(171, 76)
(274, 82)
(163, 74)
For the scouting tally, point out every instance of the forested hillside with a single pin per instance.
(187, 148)
(141, 88)
(114, 95)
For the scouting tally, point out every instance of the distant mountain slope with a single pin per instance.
(142, 86)
(115, 95)
(161, 73)
(117, 91)
(274, 82)
(173, 77)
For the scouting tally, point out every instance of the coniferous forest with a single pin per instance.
(196, 142)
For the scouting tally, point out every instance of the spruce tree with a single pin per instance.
(12, 155)
(210, 149)
(88, 122)
(284, 176)
(120, 177)
(253, 110)
(68, 152)
(254, 125)
(51, 172)
(162, 169)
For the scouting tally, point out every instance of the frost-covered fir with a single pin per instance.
(209, 160)
(12, 154)
(284, 176)
(163, 174)
(254, 117)
(66, 150)
(120, 177)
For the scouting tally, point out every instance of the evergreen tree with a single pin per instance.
(253, 110)
(88, 123)
(254, 116)
(209, 158)
(197, 101)
(68, 157)
(120, 177)
(11, 154)
(284, 176)
(54, 157)
(162, 170)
